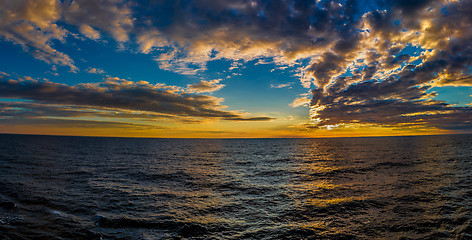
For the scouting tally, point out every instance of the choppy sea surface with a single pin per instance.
(342, 188)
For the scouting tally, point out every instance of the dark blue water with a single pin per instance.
(122, 188)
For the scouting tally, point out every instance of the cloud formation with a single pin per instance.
(89, 32)
(406, 54)
(71, 123)
(370, 62)
(95, 71)
(111, 16)
(303, 100)
(282, 85)
(36, 24)
(205, 86)
(112, 98)
(32, 24)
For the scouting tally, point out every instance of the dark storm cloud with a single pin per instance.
(119, 94)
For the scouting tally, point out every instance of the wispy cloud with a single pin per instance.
(89, 32)
(250, 119)
(95, 71)
(205, 86)
(303, 100)
(74, 123)
(282, 85)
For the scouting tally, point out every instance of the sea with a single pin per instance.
(59, 187)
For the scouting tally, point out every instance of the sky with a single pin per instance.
(235, 69)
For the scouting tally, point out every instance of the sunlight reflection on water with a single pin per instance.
(353, 188)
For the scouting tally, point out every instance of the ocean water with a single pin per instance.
(344, 188)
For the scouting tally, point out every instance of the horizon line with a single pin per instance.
(235, 138)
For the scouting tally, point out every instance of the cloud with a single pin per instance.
(73, 123)
(32, 24)
(282, 85)
(111, 16)
(388, 103)
(371, 62)
(36, 24)
(95, 71)
(205, 86)
(454, 80)
(89, 32)
(250, 119)
(200, 32)
(304, 100)
(114, 94)
(325, 68)
(151, 39)
(28, 109)
(386, 81)
(290, 118)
